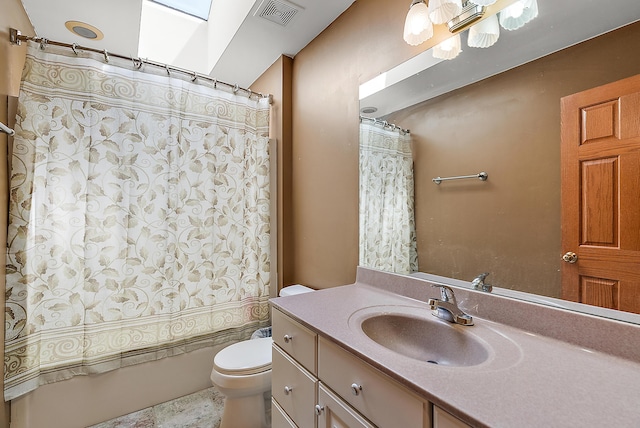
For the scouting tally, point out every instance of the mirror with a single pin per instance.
(497, 110)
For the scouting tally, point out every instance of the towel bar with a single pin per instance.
(482, 176)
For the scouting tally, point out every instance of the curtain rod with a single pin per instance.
(16, 38)
(385, 124)
(4, 128)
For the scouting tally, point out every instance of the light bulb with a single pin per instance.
(485, 33)
(417, 26)
(448, 49)
(441, 11)
(518, 14)
(515, 10)
(483, 2)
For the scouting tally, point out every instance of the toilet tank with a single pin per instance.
(294, 289)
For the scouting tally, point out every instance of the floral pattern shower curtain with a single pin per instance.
(387, 224)
(139, 218)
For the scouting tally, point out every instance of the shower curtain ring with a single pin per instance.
(106, 56)
(43, 43)
(215, 83)
(195, 76)
(74, 48)
(236, 88)
(166, 67)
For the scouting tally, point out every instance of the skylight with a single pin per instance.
(197, 8)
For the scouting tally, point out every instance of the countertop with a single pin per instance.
(533, 380)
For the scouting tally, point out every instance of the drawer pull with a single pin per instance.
(355, 388)
(287, 390)
(287, 338)
(319, 409)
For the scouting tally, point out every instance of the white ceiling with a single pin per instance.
(233, 46)
(560, 23)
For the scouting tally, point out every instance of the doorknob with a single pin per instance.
(570, 257)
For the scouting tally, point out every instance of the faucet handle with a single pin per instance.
(446, 293)
(479, 284)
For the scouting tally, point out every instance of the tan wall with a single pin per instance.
(362, 42)
(508, 126)
(277, 82)
(12, 15)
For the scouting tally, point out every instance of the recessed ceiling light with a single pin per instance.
(83, 29)
(368, 110)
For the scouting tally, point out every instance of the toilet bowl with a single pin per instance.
(242, 373)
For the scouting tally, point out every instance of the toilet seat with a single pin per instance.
(244, 358)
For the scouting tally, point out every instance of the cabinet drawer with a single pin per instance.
(279, 418)
(385, 402)
(334, 413)
(295, 339)
(293, 388)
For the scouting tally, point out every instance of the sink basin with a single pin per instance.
(427, 339)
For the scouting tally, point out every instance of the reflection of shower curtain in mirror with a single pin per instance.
(387, 224)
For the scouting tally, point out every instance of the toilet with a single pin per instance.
(242, 373)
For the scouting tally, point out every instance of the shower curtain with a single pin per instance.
(139, 217)
(387, 224)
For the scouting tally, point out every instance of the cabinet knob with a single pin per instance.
(319, 409)
(355, 388)
(287, 390)
(287, 338)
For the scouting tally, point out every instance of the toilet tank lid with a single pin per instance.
(246, 357)
(294, 289)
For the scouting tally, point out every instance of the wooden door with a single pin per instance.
(600, 162)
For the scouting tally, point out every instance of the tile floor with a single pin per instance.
(199, 410)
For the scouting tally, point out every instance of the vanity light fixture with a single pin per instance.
(462, 14)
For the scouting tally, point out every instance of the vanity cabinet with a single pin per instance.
(316, 383)
(442, 419)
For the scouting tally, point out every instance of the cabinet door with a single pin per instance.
(279, 418)
(334, 413)
(293, 388)
(442, 419)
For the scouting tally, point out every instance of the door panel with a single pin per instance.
(600, 216)
(601, 195)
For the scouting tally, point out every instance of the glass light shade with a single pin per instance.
(448, 49)
(518, 14)
(417, 26)
(441, 11)
(485, 33)
(483, 2)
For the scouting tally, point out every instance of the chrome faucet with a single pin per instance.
(446, 307)
(478, 283)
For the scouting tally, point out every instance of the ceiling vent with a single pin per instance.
(279, 11)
